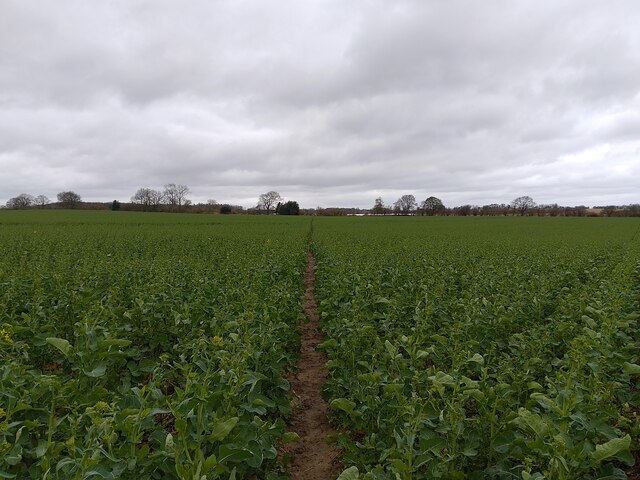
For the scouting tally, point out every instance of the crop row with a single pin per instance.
(490, 348)
(146, 350)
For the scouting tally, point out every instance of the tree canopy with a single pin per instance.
(405, 204)
(175, 195)
(433, 206)
(268, 201)
(522, 204)
(41, 200)
(24, 200)
(69, 199)
(288, 208)
(149, 198)
(378, 207)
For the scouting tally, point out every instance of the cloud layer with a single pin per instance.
(329, 103)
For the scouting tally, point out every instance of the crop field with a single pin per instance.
(145, 346)
(483, 348)
(157, 346)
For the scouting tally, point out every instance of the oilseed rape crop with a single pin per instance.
(145, 347)
(158, 346)
(495, 348)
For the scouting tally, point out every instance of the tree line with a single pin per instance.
(24, 200)
(407, 205)
(521, 206)
(174, 198)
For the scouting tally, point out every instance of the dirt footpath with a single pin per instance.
(313, 457)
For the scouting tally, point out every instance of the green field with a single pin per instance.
(153, 346)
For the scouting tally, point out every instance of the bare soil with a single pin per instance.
(314, 457)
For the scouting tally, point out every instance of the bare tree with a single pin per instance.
(42, 200)
(495, 209)
(24, 200)
(69, 199)
(405, 204)
(176, 195)
(463, 210)
(268, 200)
(522, 204)
(147, 197)
(212, 205)
(433, 206)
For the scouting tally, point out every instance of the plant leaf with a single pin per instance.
(343, 404)
(477, 358)
(229, 454)
(351, 473)
(611, 448)
(631, 368)
(209, 463)
(290, 437)
(60, 343)
(221, 429)
(98, 371)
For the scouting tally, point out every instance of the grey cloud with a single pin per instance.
(329, 102)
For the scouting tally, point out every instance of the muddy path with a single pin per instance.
(313, 457)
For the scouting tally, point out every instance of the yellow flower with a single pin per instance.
(217, 341)
(5, 335)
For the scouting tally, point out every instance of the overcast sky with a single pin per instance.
(330, 103)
